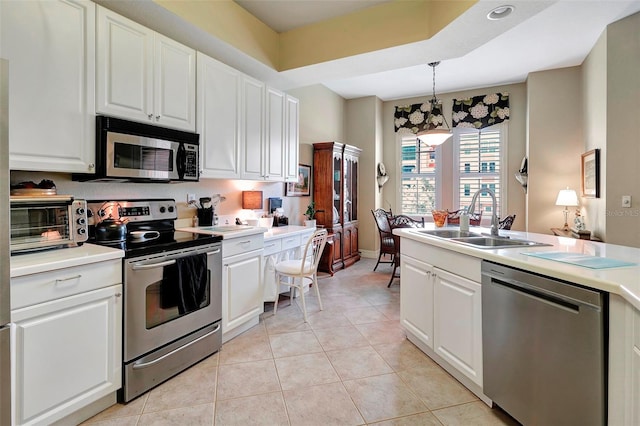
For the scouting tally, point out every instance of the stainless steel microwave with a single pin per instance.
(42, 222)
(130, 151)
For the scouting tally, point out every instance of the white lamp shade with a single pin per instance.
(567, 197)
(435, 136)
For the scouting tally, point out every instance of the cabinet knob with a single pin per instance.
(150, 116)
(157, 118)
(91, 166)
(118, 295)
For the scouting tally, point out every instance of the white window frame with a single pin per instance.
(437, 174)
(502, 128)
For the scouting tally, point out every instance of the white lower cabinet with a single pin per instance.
(67, 354)
(457, 323)
(441, 311)
(242, 290)
(416, 298)
(633, 400)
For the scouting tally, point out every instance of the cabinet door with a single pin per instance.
(252, 136)
(174, 84)
(242, 291)
(458, 323)
(218, 120)
(124, 67)
(50, 46)
(416, 298)
(292, 138)
(68, 354)
(635, 395)
(275, 144)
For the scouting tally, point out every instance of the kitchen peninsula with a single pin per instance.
(442, 303)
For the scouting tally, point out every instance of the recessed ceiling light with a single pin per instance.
(500, 12)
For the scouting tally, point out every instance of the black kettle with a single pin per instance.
(111, 231)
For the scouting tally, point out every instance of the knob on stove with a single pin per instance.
(162, 209)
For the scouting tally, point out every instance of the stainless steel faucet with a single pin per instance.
(494, 214)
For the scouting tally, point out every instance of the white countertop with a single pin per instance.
(624, 281)
(48, 260)
(234, 231)
(226, 231)
(283, 231)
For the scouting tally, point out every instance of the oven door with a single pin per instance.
(170, 295)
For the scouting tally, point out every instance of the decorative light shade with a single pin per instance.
(568, 198)
(252, 200)
(434, 135)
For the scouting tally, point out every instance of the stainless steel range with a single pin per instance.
(172, 289)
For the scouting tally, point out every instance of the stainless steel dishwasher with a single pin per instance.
(544, 347)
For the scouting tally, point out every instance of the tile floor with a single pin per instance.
(349, 365)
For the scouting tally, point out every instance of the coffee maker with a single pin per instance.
(275, 208)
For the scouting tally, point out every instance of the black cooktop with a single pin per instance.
(179, 240)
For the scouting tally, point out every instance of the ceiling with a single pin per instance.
(475, 51)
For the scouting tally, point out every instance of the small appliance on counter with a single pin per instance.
(46, 221)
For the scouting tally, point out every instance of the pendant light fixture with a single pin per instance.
(431, 134)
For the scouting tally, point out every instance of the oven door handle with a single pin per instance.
(211, 253)
(139, 366)
(139, 266)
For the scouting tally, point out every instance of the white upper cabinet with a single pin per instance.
(275, 143)
(218, 118)
(142, 75)
(50, 46)
(252, 134)
(292, 138)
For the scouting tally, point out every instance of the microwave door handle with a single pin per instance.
(181, 159)
(141, 267)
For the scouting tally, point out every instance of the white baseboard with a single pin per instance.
(369, 254)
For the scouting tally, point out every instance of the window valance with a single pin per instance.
(482, 111)
(410, 119)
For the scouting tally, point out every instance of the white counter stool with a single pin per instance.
(296, 270)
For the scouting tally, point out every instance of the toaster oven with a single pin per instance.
(45, 222)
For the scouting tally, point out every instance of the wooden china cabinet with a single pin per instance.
(335, 192)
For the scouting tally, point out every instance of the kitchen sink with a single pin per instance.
(496, 242)
(448, 233)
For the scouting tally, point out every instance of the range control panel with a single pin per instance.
(131, 210)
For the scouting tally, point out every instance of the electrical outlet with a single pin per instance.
(191, 198)
(626, 201)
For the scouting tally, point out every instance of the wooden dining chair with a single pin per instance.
(506, 222)
(453, 218)
(401, 221)
(387, 246)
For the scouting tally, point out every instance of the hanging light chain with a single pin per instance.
(434, 100)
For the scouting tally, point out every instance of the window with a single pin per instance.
(477, 163)
(419, 176)
(479, 159)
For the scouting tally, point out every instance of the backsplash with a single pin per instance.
(227, 210)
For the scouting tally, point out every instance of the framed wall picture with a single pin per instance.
(302, 187)
(591, 174)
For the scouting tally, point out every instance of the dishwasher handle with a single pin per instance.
(547, 287)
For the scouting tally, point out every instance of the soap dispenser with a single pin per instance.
(464, 221)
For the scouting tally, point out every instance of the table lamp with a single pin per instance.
(252, 200)
(567, 198)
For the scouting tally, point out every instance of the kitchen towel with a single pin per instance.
(192, 282)
(584, 260)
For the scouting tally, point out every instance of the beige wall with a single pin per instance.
(515, 199)
(622, 175)
(322, 118)
(594, 89)
(363, 131)
(554, 143)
